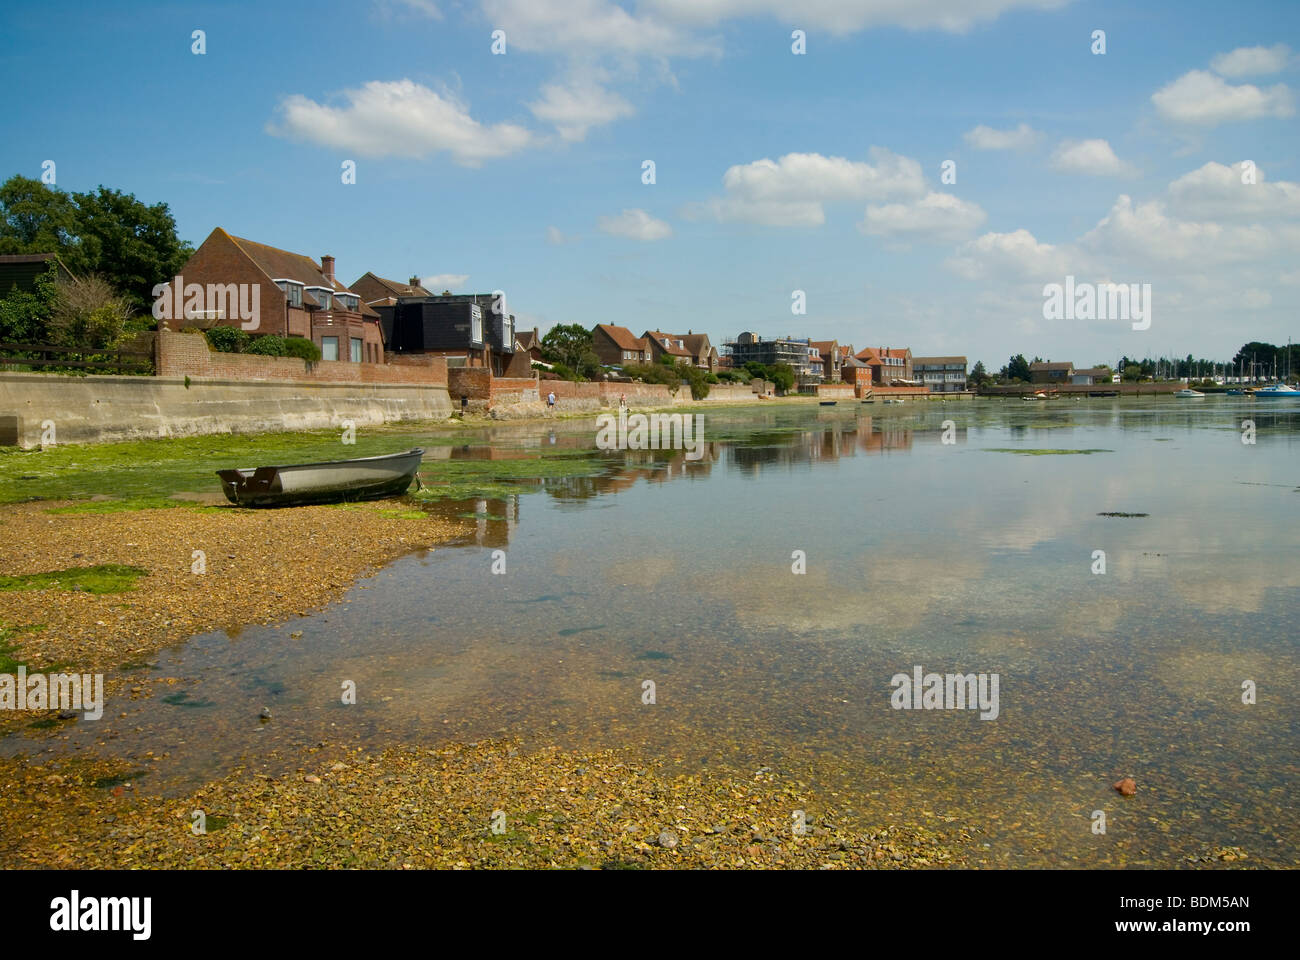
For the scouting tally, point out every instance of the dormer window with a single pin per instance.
(322, 296)
(346, 301)
(292, 290)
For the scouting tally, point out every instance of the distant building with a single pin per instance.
(889, 367)
(941, 374)
(857, 374)
(616, 346)
(530, 343)
(1050, 372)
(751, 348)
(1091, 375)
(666, 343)
(377, 292)
(829, 360)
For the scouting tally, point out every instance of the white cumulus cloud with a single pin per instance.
(1216, 191)
(398, 118)
(791, 191)
(849, 16)
(634, 224)
(578, 104)
(935, 217)
(1093, 158)
(1252, 61)
(1199, 97)
(986, 138)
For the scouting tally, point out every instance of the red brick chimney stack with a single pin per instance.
(327, 267)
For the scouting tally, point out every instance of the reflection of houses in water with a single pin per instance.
(652, 466)
(494, 519)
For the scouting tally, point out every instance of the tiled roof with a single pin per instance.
(282, 265)
(622, 336)
(667, 342)
(397, 289)
(1051, 366)
(921, 361)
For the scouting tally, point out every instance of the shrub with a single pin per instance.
(269, 345)
(302, 348)
(227, 339)
(87, 313)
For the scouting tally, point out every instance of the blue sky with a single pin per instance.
(775, 172)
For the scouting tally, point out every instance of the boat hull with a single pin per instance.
(366, 478)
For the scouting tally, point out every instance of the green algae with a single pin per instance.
(103, 578)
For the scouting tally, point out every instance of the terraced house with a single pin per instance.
(889, 367)
(296, 296)
(941, 374)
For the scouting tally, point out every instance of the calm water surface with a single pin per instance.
(956, 557)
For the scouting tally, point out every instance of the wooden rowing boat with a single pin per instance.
(365, 478)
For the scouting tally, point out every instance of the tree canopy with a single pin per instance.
(130, 244)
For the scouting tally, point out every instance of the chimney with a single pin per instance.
(415, 281)
(327, 267)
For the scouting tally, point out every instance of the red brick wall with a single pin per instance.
(635, 392)
(514, 390)
(188, 354)
(472, 382)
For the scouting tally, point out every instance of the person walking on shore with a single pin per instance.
(550, 402)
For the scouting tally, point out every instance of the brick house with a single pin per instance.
(298, 297)
(1050, 372)
(699, 351)
(889, 367)
(829, 351)
(378, 292)
(667, 343)
(857, 374)
(615, 346)
(530, 343)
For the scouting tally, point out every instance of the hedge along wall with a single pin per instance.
(188, 355)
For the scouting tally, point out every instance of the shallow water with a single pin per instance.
(956, 557)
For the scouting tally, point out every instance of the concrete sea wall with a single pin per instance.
(96, 409)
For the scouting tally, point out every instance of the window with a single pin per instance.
(347, 301)
(291, 290)
(356, 349)
(322, 297)
(329, 348)
(476, 323)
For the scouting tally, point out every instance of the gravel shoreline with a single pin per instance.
(329, 806)
(261, 566)
(411, 808)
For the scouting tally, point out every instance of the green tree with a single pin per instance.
(1017, 368)
(978, 375)
(571, 345)
(130, 244)
(35, 219)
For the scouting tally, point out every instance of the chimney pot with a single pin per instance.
(327, 267)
